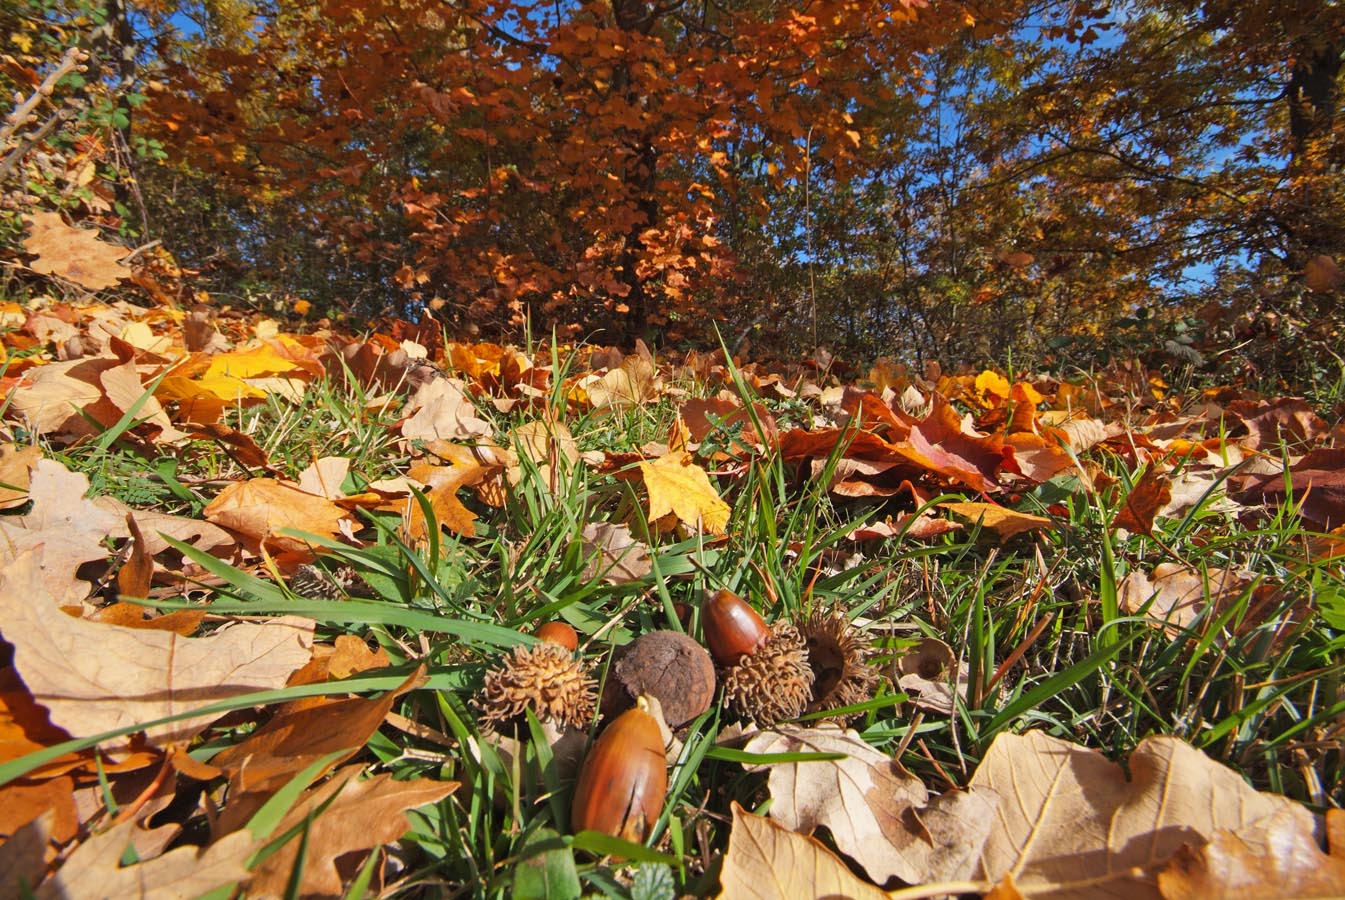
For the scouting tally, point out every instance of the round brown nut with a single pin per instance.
(671, 666)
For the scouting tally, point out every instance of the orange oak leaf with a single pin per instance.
(258, 508)
(75, 254)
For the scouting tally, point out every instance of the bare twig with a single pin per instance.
(25, 112)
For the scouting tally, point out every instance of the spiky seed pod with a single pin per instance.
(545, 678)
(773, 682)
(838, 654)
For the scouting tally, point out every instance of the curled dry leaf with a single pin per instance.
(1281, 859)
(94, 678)
(1069, 824)
(1002, 521)
(926, 673)
(876, 811)
(443, 411)
(768, 862)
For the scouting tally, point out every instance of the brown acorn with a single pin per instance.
(559, 633)
(765, 669)
(545, 678)
(838, 654)
(622, 784)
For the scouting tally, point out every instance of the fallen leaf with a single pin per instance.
(443, 411)
(613, 554)
(260, 507)
(94, 678)
(1179, 594)
(1317, 482)
(1281, 860)
(16, 466)
(348, 815)
(94, 869)
(679, 487)
(1002, 521)
(75, 254)
(925, 672)
(865, 800)
(1069, 824)
(768, 862)
(52, 397)
(1150, 494)
(323, 477)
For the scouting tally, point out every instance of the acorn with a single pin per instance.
(838, 655)
(559, 633)
(545, 678)
(765, 669)
(622, 784)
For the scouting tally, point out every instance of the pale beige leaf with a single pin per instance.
(75, 254)
(69, 528)
(93, 872)
(679, 487)
(1179, 594)
(862, 799)
(16, 466)
(323, 477)
(93, 677)
(768, 862)
(1069, 824)
(51, 397)
(362, 816)
(443, 411)
(613, 554)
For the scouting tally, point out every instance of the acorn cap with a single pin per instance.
(838, 655)
(772, 683)
(545, 678)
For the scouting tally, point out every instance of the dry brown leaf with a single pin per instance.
(1179, 594)
(94, 678)
(679, 487)
(613, 555)
(632, 384)
(323, 477)
(876, 811)
(768, 862)
(1002, 521)
(75, 254)
(299, 735)
(1281, 860)
(260, 507)
(51, 397)
(1150, 494)
(16, 466)
(93, 870)
(1069, 824)
(362, 815)
(443, 411)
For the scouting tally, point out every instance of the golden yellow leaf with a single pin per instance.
(679, 487)
(1003, 521)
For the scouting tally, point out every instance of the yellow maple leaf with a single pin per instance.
(679, 487)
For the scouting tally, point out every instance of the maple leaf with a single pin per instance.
(680, 488)
(75, 254)
(259, 508)
(94, 678)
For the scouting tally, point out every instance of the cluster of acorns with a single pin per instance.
(769, 673)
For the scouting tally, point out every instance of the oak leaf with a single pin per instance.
(348, 815)
(259, 508)
(680, 488)
(1069, 824)
(876, 811)
(1001, 520)
(94, 678)
(768, 862)
(75, 254)
(94, 869)
(441, 410)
